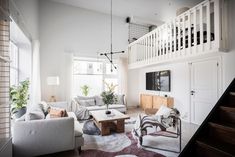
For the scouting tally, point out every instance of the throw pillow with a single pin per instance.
(57, 112)
(88, 102)
(163, 111)
(99, 101)
(34, 115)
(45, 107)
(119, 99)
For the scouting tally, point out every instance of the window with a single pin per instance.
(93, 73)
(110, 77)
(14, 70)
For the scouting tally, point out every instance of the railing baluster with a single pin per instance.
(175, 36)
(183, 38)
(179, 35)
(166, 41)
(170, 34)
(201, 28)
(195, 31)
(208, 23)
(189, 33)
(157, 46)
(160, 42)
(148, 48)
(145, 49)
(151, 46)
(154, 44)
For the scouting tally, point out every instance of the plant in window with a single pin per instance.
(19, 96)
(111, 86)
(108, 96)
(85, 90)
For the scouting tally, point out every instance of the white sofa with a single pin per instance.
(46, 136)
(80, 101)
(81, 105)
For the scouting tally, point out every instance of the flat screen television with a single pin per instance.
(159, 81)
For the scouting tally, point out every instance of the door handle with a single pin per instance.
(192, 92)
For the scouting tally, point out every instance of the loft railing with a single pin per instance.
(200, 30)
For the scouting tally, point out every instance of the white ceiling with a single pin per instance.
(147, 9)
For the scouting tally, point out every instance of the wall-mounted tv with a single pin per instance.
(159, 81)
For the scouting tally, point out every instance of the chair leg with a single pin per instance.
(141, 140)
(79, 150)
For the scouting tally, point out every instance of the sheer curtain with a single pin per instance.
(122, 75)
(36, 82)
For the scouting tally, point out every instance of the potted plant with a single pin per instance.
(85, 90)
(19, 96)
(108, 96)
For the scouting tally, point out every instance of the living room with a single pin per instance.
(71, 56)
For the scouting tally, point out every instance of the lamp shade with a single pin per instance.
(53, 80)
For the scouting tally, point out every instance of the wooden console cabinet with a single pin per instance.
(151, 103)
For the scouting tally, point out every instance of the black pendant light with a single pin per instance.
(109, 55)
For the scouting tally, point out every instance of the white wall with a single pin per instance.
(179, 85)
(65, 30)
(28, 10)
(229, 58)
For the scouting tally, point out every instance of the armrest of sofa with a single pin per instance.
(38, 137)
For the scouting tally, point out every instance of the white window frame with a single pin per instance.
(13, 67)
(104, 75)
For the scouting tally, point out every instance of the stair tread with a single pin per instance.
(222, 126)
(228, 108)
(232, 93)
(217, 145)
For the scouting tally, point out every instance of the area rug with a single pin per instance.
(129, 150)
(111, 143)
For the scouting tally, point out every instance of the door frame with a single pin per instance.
(219, 77)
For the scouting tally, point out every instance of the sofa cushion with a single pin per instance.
(99, 100)
(87, 102)
(119, 99)
(84, 97)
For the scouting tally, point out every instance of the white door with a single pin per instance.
(204, 89)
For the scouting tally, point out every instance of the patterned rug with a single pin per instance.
(127, 150)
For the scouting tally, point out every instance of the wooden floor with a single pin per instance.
(188, 130)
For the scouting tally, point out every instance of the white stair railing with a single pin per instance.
(200, 30)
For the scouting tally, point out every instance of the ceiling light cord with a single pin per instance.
(111, 33)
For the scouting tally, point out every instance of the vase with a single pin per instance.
(107, 109)
(20, 112)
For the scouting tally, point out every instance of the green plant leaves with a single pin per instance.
(19, 95)
(85, 90)
(108, 97)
